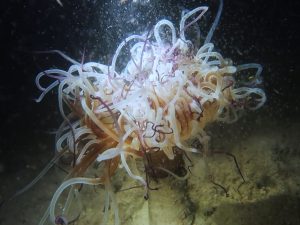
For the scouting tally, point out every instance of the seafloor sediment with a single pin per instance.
(267, 153)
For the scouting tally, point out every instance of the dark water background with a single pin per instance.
(261, 31)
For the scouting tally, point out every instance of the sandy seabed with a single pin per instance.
(267, 152)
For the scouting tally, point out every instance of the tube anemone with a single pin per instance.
(165, 96)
